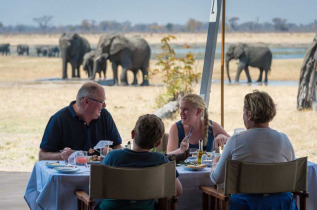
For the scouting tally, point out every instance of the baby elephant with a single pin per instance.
(88, 64)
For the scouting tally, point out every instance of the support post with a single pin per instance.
(211, 45)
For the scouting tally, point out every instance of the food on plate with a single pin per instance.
(94, 158)
(91, 151)
(197, 166)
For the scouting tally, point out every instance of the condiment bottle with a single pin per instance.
(200, 151)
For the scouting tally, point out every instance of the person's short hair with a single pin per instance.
(89, 89)
(148, 130)
(261, 105)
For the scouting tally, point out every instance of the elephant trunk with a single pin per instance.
(94, 70)
(227, 67)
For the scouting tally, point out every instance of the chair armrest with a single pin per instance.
(301, 193)
(214, 192)
(84, 197)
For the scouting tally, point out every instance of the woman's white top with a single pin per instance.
(259, 145)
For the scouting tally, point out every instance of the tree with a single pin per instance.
(169, 27)
(233, 23)
(306, 96)
(178, 73)
(1, 24)
(43, 22)
(85, 25)
(192, 25)
(280, 24)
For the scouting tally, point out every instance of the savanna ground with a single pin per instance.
(27, 101)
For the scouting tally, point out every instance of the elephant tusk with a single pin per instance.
(97, 58)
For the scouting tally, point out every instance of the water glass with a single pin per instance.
(193, 152)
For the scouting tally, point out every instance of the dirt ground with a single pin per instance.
(29, 99)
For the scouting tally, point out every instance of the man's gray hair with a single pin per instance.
(89, 89)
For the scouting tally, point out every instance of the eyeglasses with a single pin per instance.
(100, 102)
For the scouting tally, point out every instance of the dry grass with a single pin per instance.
(27, 104)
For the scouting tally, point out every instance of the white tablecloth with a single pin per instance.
(48, 189)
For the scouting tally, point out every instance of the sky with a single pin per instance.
(65, 12)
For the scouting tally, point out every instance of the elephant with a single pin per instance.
(53, 51)
(5, 49)
(88, 64)
(73, 48)
(22, 48)
(131, 53)
(249, 55)
(42, 50)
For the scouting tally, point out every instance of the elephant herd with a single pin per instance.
(50, 51)
(133, 53)
(130, 53)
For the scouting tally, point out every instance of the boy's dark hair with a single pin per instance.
(148, 130)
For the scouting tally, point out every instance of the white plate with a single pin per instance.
(193, 169)
(54, 165)
(94, 162)
(66, 170)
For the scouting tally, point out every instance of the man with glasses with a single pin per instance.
(79, 126)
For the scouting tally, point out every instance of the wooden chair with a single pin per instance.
(245, 177)
(125, 183)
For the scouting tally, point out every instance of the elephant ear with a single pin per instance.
(118, 44)
(238, 51)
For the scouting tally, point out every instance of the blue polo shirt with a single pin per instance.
(66, 129)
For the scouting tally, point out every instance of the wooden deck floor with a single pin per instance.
(13, 185)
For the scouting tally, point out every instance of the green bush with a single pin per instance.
(178, 74)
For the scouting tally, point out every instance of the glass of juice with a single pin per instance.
(81, 158)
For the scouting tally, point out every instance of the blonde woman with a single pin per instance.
(195, 115)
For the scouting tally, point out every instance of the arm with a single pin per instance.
(112, 131)
(64, 155)
(221, 136)
(172, 144)
(179, 188)
(45, 155)
(108, 149)
(217, 173)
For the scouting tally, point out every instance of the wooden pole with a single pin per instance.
(222, 59)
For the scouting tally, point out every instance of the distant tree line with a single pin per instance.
(192, 25)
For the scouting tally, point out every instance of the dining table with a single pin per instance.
(50, 189)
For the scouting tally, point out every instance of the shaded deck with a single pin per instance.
(13, 185)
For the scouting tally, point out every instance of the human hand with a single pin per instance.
(220, 140)
(66, 152)
(106, 150)
(184, 145)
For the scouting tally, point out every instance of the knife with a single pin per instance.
(190, 134)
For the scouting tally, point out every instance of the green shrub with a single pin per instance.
(178, 74)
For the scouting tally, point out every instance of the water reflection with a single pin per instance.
(253, 84)
(199, 51)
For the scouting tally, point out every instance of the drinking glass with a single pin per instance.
(193, 152)
(81, 158)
